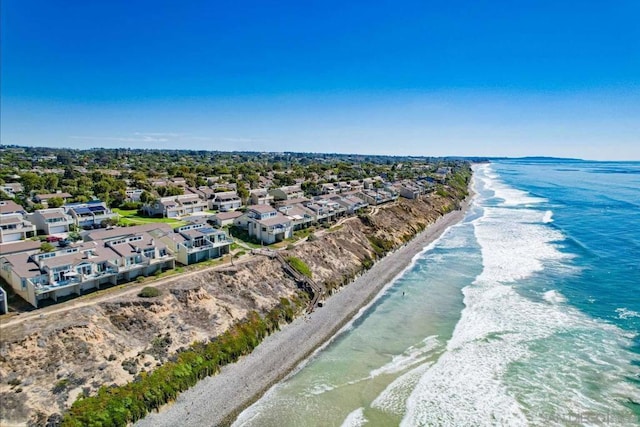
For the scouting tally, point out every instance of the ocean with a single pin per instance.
(525, 313)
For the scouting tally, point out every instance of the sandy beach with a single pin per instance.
(218, 400)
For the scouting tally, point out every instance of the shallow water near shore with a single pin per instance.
(525, 313)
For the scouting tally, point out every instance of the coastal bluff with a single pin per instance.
(47, 362)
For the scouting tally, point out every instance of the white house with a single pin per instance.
(51, 221)
(225, 201)
(90, 214)
(265, 224)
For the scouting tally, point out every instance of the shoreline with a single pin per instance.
(219, 399)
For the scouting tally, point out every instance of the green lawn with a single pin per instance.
(131, 217)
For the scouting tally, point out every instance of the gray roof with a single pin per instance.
(52, 215)
(222, 216)
(9, 206)
(21, 246)
(261, 208)
(52, 195)
(278, 219)
(101, 254)
(125, 231)
(22, 265)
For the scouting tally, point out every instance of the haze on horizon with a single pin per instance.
(481, 78)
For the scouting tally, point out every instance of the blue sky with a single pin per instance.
(513, 78)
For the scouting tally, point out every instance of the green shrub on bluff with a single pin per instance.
(122, 405)
(300, 266)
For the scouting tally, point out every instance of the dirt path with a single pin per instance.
(133, 287)
(111, 294)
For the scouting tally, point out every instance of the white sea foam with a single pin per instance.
(554, 297)
(355, 419)
(510, 196)
(625, 313)
(317, 389)
(548, 217)
(410, 357)
(393, 398)
(471, 382)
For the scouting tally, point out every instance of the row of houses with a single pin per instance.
(270, 224)
(176, 206)
(16, 224)
(109, 257)
(204, 198)
(120, 254)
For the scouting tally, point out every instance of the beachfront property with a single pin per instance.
(88, 265)
(408, 190)
(265, 224)
(442, 173)
(175, 206)
(377, 196)
(91, 214)
(304, 212)
(349, 202)
(225, 201)
(189, 244)
(109, 257)
(300, 216)
(325, 210)
(195, 243)
(51, 221)
(412, 189)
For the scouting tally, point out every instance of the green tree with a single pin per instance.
(243, 193)
(51, 182)
(46, 247)
(146, 197)
(31, 181)
(55, 202)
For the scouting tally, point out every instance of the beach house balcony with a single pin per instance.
(200, 242)
(271, 230)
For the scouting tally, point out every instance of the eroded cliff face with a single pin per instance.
(45, 364)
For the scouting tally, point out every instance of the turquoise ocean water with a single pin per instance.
(525, 313)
